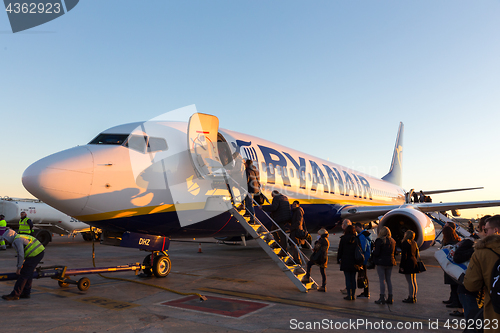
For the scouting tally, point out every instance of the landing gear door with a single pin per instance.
(202, 143)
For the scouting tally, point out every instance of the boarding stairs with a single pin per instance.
(262, 235)
(280, 256)
(441, 219)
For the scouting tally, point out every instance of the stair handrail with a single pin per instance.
(301, 254)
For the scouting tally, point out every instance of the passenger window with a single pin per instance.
(157, 144)
(308, 176)
(271, 168)
(303, 175)
(291, 172)
(285, 172)
(314, 179)
(263, 166)
(137, 142)
(278, 169)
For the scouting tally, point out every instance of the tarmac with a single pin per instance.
(246, 292)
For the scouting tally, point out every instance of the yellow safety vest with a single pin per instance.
(3, 226)
(33, 248)
(24, 227)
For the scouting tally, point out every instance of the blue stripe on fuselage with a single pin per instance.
(167, 223)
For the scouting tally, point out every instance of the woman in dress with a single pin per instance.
(409, 266)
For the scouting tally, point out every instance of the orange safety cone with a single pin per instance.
(199, 248)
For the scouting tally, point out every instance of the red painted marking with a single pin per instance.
(163, 246)
(202, 132)
(216, 305)
(222, 226)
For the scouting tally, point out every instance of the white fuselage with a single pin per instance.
(114, 183)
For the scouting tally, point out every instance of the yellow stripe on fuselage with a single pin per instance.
(139, 211)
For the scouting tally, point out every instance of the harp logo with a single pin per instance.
(26, 14)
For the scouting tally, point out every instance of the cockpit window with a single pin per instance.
(137, 142)
(157, 144)
(140, 142)
(109, 139)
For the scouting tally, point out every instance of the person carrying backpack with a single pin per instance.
(484, 261)
(365, 242)
(319, 257)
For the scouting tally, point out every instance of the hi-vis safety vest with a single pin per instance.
(33, 248)
(3, 227)
(24, 227)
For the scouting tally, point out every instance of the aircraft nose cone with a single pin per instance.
(62, 180)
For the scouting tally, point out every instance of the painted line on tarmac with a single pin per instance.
(312, 305)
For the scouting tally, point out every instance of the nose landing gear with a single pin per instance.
(157, 263)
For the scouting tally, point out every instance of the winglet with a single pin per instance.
(395, 174)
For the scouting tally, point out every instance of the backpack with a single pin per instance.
(359, 256)
(495, 285)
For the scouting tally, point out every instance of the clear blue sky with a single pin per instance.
(331, 78)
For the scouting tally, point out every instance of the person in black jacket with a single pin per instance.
(450, 237)
(281, 214)
(296, 225)
(463, 253)
(347, 247)
(383, 258)
(408, 265)
(320, 258)
(253, 186)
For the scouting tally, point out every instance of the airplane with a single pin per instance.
(144, 183)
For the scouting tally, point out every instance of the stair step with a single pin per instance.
(278, 251)
(282, 258)
(292, 267)
(309, 285)
(273, 244)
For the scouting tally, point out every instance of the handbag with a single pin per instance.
(318, 256)
(420, 266)
(362, 282)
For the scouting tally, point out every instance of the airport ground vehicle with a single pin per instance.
(46, 220)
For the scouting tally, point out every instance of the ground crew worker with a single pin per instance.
(29, 254)
(25, 225)
(3, 227)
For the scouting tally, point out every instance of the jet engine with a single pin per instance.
(408, 218)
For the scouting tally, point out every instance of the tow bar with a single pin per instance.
(61, 273)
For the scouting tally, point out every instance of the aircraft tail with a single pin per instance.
(395, 174)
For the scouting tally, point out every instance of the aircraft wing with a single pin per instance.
(366, 213)
(441, 207)
(451, 190)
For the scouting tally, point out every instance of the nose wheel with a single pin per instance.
(157, 263)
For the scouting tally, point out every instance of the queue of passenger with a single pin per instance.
(477, 284)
